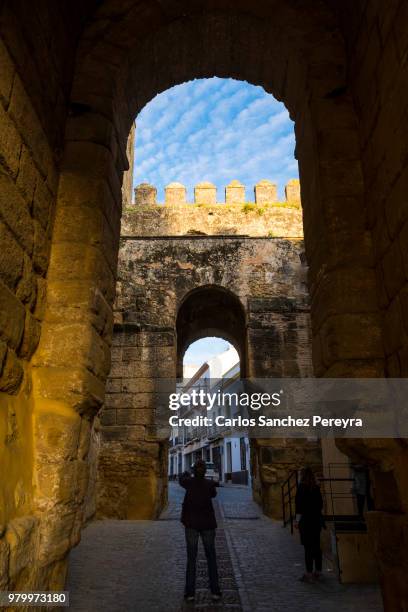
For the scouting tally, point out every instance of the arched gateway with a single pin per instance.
(340, 69)
(176, 284)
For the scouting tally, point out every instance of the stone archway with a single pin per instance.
(249, 289)
(306, 68)
(211, 311)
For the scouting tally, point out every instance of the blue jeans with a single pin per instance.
(208, 539)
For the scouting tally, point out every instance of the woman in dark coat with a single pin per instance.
(309, 520)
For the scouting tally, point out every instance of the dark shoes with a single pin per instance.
(308, 577)
(214, 596)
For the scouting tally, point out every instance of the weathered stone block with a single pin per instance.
(138, 385)
(4, 563)
(77, 190)
(78, 343)
(11, 258)
(108, 417)
(393, 270)
(7, 72)
(175, 193)
(403, 297)
(43, 203)
(265, 192)
(72, 386)
(57, 441)
(92, 161)
(76, 301)
(25, 118)
(355, 368)
(40, 302)
(351, 336)
(57, 535)
(341, 178)
(205, 193)
(86, 263)
(144, 400)
(388, 531)
(292, 190)
(131, 481)
(27, 176)
(393, 327)
(12, 316)
(113, 385)
(345, 291)
(3, 354)
(15, 212)
(42, 247)
(396, 210)
(131, 354)
(114, 433)
(20, 537)
(31, 336)
(134, 417)
(235, 193)
(403, 361)
(124, 433)
(141, 370)
(273, 304)
(91, 127)
(10, 143)
(87, 225)
(12, 375)
(403, 246)
(116, 353)
(116, 400)
(27, 287)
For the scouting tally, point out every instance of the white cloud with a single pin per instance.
(217, 130)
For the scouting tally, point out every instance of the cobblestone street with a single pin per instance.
(139, 565)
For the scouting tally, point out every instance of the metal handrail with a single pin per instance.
(288, 498)
(289, 488)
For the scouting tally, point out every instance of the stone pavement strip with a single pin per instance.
(139, 566)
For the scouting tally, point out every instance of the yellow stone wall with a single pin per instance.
(16, 458)
(28, 183)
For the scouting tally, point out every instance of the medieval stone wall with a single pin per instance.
(156, 273)
(79, 72)
(376, 35)
(28, 185)
(37, 56)
(264, 216)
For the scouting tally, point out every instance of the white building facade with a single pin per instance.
(228, 450)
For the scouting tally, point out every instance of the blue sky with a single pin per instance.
(214, 130)
(198, 352)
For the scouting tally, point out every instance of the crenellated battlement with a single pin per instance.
(264, 216)
(205, 193)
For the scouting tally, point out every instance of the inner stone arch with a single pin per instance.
(211, 311)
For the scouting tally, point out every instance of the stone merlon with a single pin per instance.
(205, 193)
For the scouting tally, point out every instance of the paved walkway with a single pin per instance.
(139, 566)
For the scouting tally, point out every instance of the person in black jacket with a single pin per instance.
(198, 519)
(309, 520)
